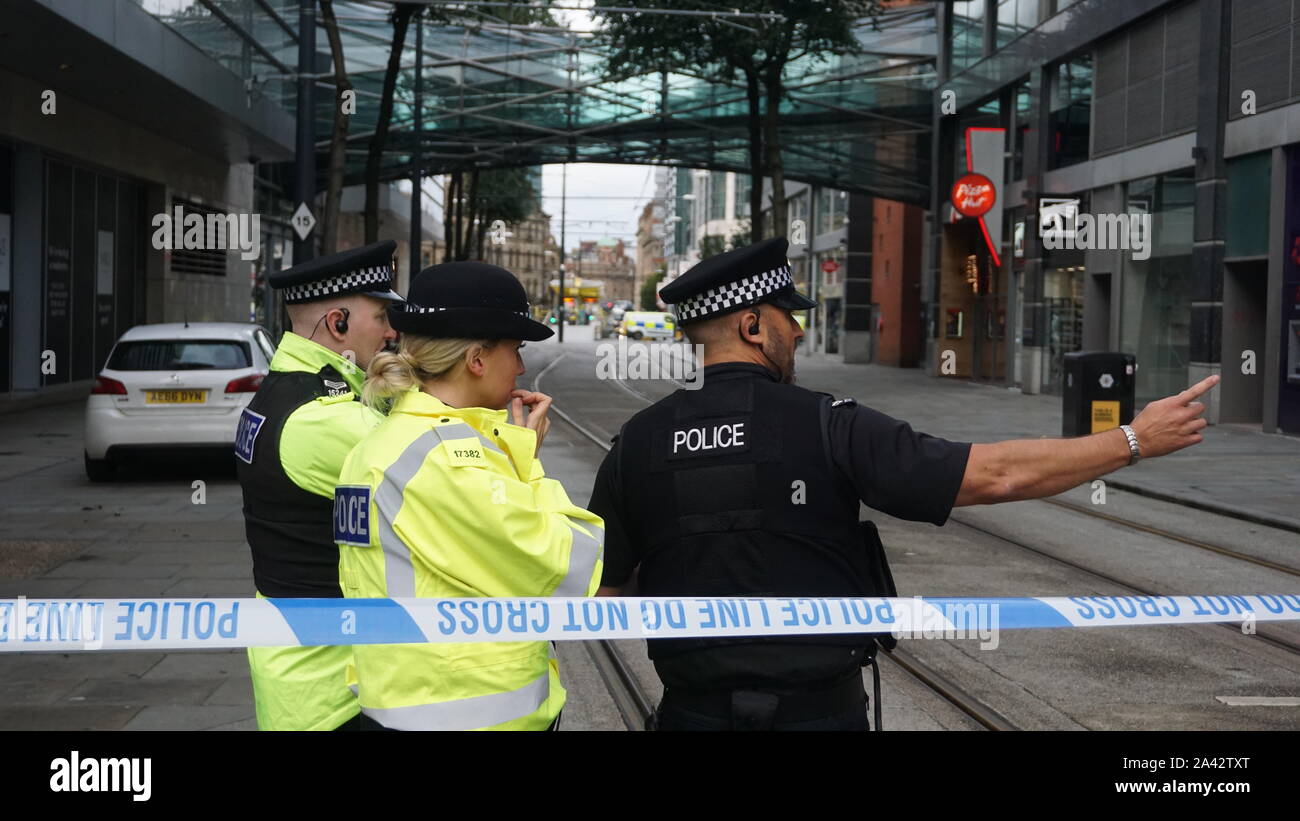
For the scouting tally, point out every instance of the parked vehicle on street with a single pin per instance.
(173, 385)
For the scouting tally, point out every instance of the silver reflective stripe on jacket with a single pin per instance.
(399, 574)
(583, 555)
(467, 713)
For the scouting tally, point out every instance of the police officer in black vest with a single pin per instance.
(290, 446)
(750, 486)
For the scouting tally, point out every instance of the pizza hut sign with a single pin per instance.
(973, 195)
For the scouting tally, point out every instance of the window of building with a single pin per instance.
(832, 209)
(682, 208)
(1070, 120)
(1064, 276)
(797, 208)
(1145, 79)
(1015, 17)
(986, 115)
(744, 186)
(1248, 205)
(1155, 319)
(717, 195)
(1020, 128)
(967, 34)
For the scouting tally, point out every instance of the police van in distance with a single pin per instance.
(648, 325)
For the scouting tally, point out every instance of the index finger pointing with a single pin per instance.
(1200, 387)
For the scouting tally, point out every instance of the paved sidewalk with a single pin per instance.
(1237, 470)
(151, 533)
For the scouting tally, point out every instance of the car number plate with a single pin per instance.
(175, 397)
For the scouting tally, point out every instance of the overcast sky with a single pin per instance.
(603, 200)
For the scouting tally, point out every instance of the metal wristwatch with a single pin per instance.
(1135, 453)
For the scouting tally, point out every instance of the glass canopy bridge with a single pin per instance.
(494, 94)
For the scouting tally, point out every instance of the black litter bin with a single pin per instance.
(1098, 391)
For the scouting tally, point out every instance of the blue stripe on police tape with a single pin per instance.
(1012, 613)
(321, 621)
(88, 624)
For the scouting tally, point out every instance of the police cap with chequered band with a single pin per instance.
(367, 270)
(734, 280)
(466, 300)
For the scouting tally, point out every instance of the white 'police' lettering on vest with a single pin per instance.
(713, 438)
(250, 424)
(352, 515)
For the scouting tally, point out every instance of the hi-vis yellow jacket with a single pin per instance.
(458, 506)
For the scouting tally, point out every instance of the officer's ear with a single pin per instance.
(474, 359)
(336, 323)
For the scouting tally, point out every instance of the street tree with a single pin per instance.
(647, 43)
(649, 296)
(505, 194)
(401, 17)
(401, 20)
(758, 50)
(713, 244)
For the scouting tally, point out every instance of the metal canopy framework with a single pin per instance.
(500, 95)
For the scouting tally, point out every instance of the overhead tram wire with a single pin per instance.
(716, 15)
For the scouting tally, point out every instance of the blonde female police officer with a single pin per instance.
(457, 505)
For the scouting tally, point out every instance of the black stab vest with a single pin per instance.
(289, 529)
(732, 492)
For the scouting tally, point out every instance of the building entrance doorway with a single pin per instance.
(989, 325)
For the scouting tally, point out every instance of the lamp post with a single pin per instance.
(564, 203)
(304, 181)
(691, 224)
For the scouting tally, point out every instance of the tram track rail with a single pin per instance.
(1262, 633)
(1156, 531)
(629, 697)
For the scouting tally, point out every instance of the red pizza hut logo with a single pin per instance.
(973, 195)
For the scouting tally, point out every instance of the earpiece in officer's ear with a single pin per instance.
(342, 325)
(753, 326)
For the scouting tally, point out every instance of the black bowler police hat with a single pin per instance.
(734, 280)
(467, 300)
(367, 270)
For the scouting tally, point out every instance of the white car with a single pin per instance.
(173, 385)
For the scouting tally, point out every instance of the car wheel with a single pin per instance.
(636, 335)
(100, 470)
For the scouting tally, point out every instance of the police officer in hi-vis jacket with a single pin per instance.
(456, 504)
(290, 445)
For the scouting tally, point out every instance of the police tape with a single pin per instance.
(176, 624)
